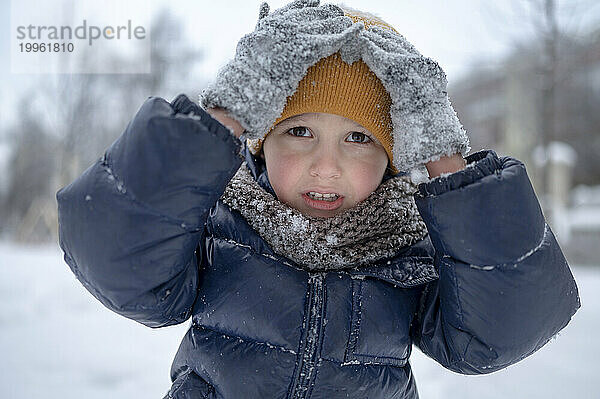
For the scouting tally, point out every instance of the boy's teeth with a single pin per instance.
(323, 197)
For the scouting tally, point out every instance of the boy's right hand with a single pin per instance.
(223, 117)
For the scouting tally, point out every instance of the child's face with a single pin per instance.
(323, 153)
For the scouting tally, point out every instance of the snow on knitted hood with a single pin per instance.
(270, 62)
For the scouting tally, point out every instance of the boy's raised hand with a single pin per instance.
(223, 117)
(446, 164)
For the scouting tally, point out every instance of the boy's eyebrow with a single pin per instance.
(318, 116)
(292, 120)
(298, 118)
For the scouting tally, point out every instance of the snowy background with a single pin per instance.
(57, 341)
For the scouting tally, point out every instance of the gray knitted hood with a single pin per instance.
(270, 62)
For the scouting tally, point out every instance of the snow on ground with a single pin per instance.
(57, 341)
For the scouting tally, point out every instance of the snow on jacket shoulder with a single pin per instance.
(145, 232)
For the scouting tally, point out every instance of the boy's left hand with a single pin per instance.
(446, 164)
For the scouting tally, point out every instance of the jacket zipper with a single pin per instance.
(313, 327)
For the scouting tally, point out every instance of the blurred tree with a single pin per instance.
(31, 166)
(552, 71)
(69, 121)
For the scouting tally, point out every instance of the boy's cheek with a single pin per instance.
(284, 176)
(368, 175)
(282, 161)
(365, 185)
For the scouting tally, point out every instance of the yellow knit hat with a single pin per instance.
(352, 91)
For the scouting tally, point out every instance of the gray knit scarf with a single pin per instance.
(373, 229)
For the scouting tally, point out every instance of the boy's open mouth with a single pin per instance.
(323, 197)
(323, 201)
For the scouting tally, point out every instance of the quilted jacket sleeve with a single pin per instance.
(505, 287)
(131, 224)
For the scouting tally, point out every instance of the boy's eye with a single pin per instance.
(359, 137)
(355, 137)
(298, 131)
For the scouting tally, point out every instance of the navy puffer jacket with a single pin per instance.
(144, 231)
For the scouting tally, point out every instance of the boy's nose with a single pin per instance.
(325, 164)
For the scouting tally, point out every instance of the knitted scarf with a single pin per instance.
(375, 228)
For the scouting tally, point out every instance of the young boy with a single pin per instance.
(305, 255)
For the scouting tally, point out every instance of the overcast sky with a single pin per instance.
(456, 33)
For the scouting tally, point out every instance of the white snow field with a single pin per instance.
(57, 341)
